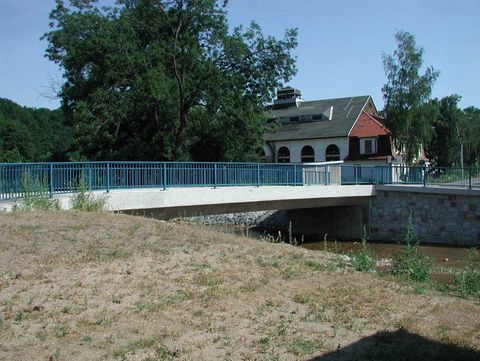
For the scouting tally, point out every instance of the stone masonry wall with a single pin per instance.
(436, 217)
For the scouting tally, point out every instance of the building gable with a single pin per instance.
(367, 126)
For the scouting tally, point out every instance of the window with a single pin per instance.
(332, 153)
(308, 154)
(283, 155)
(294, 119)
(368, 146)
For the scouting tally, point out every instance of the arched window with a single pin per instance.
(332, 153)
(308, 154)
(283, 155)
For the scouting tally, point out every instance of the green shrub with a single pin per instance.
(408, 263)
(36, 197)
(468, 281)
(364, 259)
(83, 200)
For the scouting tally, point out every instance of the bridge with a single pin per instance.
(187, 188)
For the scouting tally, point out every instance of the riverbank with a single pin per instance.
(97, 286)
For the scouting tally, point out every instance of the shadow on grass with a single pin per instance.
(400, 346)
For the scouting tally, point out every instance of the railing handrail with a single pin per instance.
(63, 177)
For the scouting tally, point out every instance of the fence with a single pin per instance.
(18, 179)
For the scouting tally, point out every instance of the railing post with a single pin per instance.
(424, 175)
(294, 174)
(470, 178)
(258, 175)
(50, 169)
(355, 173)
(215, 175)
(89, 178)
(164, 176)
(325, 175)
(108, 177)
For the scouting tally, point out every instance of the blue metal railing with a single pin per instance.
(18, 179)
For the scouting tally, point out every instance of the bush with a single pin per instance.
(408, 263)
(468, 281)
(36, 197)
(364, 259)
(83, 200)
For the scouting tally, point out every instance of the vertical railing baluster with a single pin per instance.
(424, 175)
(164, 175)
(258, 175)
(50, 168)
(469, 177)
(215, 175)
(294, 174)
(89, 178)
(108, 177)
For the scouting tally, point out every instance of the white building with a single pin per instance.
(343, 129)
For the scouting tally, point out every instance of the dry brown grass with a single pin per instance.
(97, 286)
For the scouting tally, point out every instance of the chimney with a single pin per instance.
(288, 96)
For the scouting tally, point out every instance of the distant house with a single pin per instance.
(343, 129)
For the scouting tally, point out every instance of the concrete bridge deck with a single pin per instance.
(208, 200)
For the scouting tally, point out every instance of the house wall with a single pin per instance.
(319, 146)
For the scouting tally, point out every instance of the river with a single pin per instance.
(444, 258)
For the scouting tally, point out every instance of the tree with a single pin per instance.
(449, 132)
(471, 117)
(407, 93)
(159, 79)
(32, 135)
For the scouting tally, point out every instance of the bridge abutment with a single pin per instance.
(443, 216)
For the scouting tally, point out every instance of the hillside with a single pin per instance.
(100, 286)
(32, 135)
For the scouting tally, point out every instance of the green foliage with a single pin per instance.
(364, 259)
(445, 145)
(28, 134)
(36, 197)
(408, 263)
(471, 135)
(453, 128)
(82, 200)
(407, 107)
(165, 79)
(468, 281)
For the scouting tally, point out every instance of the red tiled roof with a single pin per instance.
(368, 126)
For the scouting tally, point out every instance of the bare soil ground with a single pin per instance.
(98, 286)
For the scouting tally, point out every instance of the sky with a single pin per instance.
(339, 53)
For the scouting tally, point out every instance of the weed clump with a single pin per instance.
(364, 260)
(36, 197)
(290, 238)
(408, 263)
(468, 281)
(83, 200)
